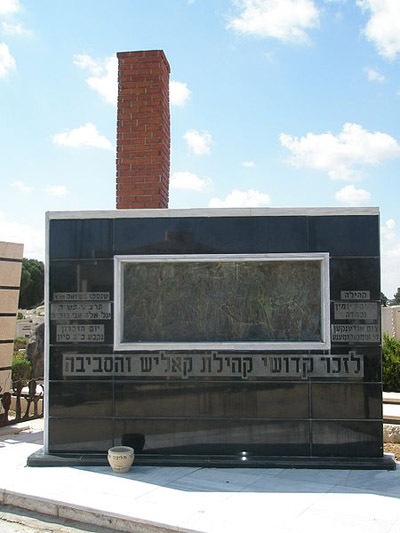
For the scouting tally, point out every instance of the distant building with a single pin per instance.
(10, 278)
(30, 321)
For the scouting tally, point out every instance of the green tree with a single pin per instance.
(396, 298)
(390, 363)
(21, 370)
(32, 284)
(384, 300)
(20, 343)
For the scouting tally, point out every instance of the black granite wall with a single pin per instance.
(95, 403)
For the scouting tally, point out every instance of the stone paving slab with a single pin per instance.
(18, 520)
(391, 412)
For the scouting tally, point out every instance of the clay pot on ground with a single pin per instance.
(121, 458)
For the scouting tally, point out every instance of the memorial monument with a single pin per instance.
(244, 337)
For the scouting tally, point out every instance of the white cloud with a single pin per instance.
(9, 7)
(56, 190)
(104, 79)
(32, 238)
(390, 224)
(179, 93)
(285, 20)
(104, 75)
(7, 62)
(349, 195)
(390, 258)
(16, 30)
(250, 198)
(341, 155)
(84, 136)
(248, 164)
(87, 62)
(388, 231)
(374, 75)
(383, 27)
(199, 142)
(24, 189)
(189, 181)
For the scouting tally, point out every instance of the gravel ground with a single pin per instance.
(393, 448)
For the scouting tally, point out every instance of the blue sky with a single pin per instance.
(273, 103)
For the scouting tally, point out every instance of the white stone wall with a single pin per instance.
(391, 321)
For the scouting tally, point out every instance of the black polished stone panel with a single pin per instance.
(83, 239)
(199, 235)
(80, 434)
(347, 438)
(147, 236)
(345, 235)
(229, 400)
(354, 274)
(215, 437)
(283, 400)
(258, 234)
(80, 399)
(82, 276)
(346, 400)
(58, 363)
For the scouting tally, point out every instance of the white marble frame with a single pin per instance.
(215, 212)
(324, 344)
(46, 335)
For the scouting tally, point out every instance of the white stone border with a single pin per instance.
(321, 257)
(46, 336)
(215, 212)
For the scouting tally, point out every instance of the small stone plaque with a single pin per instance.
(81, 296)
(80, 333)
(355, 295)
(356, 311)
(355, 333)
(80, 311)
(214, 365)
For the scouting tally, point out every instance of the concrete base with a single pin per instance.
(386, 462)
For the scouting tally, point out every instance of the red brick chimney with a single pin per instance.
(143, 130)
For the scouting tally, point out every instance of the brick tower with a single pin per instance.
(143, 130)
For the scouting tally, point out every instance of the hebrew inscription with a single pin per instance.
(80, 311)
(355, 333)
(214, 365)
(80, 333)
(355, 295)
(81, 296)
(356, 310)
